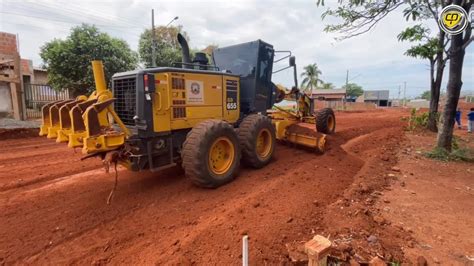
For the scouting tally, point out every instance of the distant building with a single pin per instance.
(40, 76)
(379, 97)
(15, 73)
(333, 95)
(418, 103)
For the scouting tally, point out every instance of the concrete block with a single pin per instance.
(318, 250)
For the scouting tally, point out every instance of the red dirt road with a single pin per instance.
(54, 206)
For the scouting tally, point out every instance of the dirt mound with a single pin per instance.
(18, 133)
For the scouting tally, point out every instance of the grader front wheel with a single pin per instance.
(257, 139)
(211, 154)
(326, 121)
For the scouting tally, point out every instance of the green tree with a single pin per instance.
(457, 51)
(360, 16)
(327, 86)
(426, 95)
(310, 77)
(353, 90)
(69, 61)
(432, 49)
(168, 50)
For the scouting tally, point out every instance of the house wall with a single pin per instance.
(338, 105)
(40, 77)
(7, 43)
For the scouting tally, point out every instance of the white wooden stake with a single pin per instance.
(245, 250)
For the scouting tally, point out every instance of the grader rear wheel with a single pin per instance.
(257, 139)
(211, 154)
(325, 121)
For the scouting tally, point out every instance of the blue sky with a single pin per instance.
(375, 60)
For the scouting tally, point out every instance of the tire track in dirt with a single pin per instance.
(39, 161)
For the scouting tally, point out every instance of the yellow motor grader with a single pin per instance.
(205, 117)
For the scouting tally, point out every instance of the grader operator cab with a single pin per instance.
(206, 117)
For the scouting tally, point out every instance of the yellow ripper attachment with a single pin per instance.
(65, 119)
(78, 129)
(288, 128)
(84, 122)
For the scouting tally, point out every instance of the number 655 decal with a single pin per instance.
(231, 106)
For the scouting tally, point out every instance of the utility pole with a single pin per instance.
(404, 94)
(347, 78)
(153, 39)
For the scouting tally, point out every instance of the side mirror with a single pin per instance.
(292, 61)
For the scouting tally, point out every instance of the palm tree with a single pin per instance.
(327, 86)
(310, 77)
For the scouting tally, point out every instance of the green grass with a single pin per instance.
(459, 154)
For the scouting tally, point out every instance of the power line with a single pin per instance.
(59, 20)
(85, 12)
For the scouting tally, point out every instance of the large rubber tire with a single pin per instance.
(251, 128)
(196, 153)
(326, 121)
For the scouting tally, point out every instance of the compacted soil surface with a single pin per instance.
(54, 211)
(434, 202)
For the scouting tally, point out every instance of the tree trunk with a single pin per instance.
(433, 109)
(436, 86)
(445, 134)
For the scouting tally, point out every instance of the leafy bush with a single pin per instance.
(417, 121)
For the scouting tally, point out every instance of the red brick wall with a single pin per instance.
(26, 67)
(8, 43)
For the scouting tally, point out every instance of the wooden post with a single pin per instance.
(15, 89)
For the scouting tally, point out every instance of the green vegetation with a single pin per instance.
(426, 95)
(69, 61)
(310, 77)
(327, 86)
(168, 50)
(459, 154)
(353, 90)
(428, 48)
(419, 121)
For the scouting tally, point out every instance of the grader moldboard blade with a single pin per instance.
(292, 131)
(289, 128)
(307, 137)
